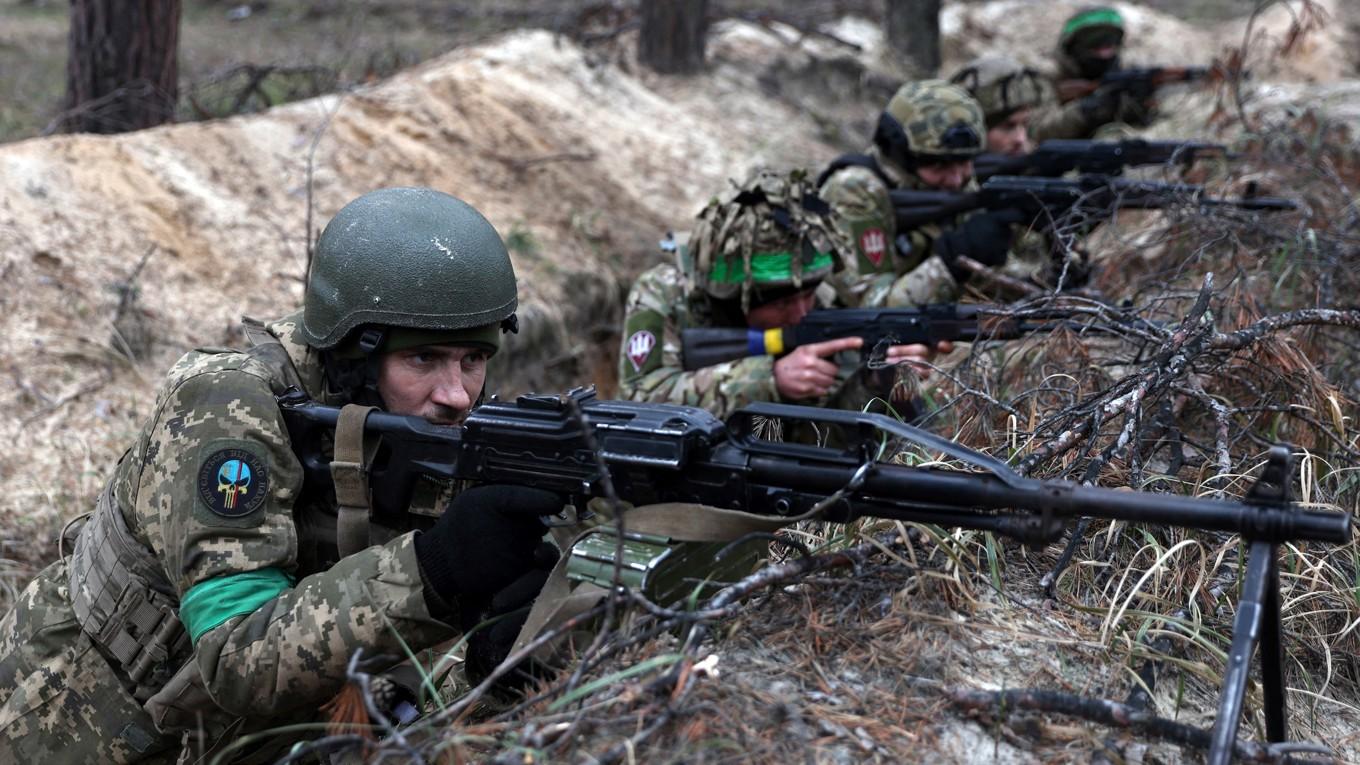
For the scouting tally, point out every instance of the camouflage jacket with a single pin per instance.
(1056, 119)
(888, 270)
(661, 305)
(213, 490)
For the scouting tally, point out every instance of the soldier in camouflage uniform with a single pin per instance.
(1008, 94)
(926, 139)
(212, 592)
(1088, 47)
(755, 259)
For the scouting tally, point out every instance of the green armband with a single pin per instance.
(209, 603)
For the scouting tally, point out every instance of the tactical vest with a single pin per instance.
(119, 591)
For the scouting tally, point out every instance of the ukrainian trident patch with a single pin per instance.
(233, 482)
(641, 352)
(640, 345)
(874, 244)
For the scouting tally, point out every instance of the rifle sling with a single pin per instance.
(349, 470)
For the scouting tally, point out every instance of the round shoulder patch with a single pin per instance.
(233, 482)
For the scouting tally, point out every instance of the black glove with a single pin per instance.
(483, 542)
(984, 237)
(488, 646)
(1100, 107)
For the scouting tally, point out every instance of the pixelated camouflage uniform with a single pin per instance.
(62, 700)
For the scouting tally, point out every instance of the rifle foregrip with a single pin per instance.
(706, 347)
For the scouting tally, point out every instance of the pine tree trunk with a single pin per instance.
(122, 68)
(672, 37)
(913, 30)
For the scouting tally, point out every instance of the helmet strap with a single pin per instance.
(356, 379)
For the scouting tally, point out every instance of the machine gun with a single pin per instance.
(1058, 157)
(657, 453)
(879, 327)
(1140, 83)
(1051, 198)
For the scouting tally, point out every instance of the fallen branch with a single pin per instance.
(1107, 712)
(1308, 316)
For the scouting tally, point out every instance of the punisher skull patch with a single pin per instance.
(233, 483)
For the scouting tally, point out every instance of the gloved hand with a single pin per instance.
(1100, 107)
(483, 542)
(489, 646)
(984, 237)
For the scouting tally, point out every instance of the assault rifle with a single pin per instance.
(1092, 195)
(1140, 83)
(879, 327)
(1059, 157)
(664, 453)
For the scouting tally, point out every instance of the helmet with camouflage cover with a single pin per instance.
(772, 237)
(928, 122)
(410, 266)
(1000, 85)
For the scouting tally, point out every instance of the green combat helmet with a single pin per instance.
(930, 121)
(772, 238)
(402, 267)
(1001, 86)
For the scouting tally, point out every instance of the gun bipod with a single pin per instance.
(1257, 622)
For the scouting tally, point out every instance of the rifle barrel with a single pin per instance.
(960, 489)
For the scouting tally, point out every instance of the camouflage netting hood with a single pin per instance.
(772, 234)
(1090, 28)
(1001, 86)
(930, 121)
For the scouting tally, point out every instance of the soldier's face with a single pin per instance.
(783, 312)
(1011, 136)
(946, 176)
(437, 382)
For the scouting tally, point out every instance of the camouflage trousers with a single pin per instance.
(60, 701)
